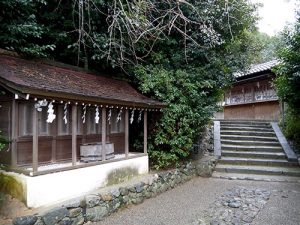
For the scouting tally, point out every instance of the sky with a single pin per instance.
(275, 14)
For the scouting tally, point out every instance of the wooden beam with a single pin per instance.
(35, 139)
(126, 133)
(14, 134)
(145, 131)
(74, 135)
(103, 134)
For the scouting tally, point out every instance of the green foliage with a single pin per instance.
(263, 47)
(190, 80)
(11, 186)
(2, 143)
(288, 80)
(162, 159)
(180, 52)
(292, 126)
(2, 198)
(23, 33)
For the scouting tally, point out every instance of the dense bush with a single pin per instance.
(288, 80)
(180, 52)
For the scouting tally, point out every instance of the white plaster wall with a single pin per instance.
(52, 188)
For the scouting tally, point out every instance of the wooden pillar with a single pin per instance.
(53, 128)
(35, 138)
(14, 134)
(74, 135)
(103, 134)
(145, 131)
(126, 133)
(253, 93)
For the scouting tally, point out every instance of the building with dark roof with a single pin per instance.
(253, 96)
(68, 128)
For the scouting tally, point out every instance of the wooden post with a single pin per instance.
(103, 134)
(74, 135)
(35, 138)
(145, 131)
(126, 133)
(253, 93)
(14, 134)
(54, 139)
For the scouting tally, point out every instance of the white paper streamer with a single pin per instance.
(97, 115)
(51, 115)
(132, 117)
(119, 117)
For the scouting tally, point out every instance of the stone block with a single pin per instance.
(96, 213)
(92, 200)
(75, 212)
(25, 220)
(55, 215)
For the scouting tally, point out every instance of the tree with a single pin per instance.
(263, 47)
(288, 78)
(180, 52)
(23, 33)
(189, 77)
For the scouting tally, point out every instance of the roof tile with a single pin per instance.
(42, 76)
(257, 68)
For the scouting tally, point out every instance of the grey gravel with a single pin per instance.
(190, 204)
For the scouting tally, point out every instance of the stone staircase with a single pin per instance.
(250, 150)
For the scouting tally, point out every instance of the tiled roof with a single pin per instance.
(258, 68)
(31, 77)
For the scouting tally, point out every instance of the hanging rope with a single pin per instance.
(84, 114)
(65, 113)
(140, 116)
(109, 116)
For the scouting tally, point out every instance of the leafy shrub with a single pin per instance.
(288, 80)
(292, 126)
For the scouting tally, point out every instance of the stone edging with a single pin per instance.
(97, 206)
(217, 139)
(290, 154)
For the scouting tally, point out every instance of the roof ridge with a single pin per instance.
(257, 68)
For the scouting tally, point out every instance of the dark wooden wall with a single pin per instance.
(51, 148)
(269, 110)
(5, 124)
(253, 99)
(62, 148)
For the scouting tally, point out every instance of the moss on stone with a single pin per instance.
(9, 185)
(121, 175)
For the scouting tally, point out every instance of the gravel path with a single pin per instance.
(269, 203)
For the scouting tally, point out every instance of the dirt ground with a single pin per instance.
(10, 208)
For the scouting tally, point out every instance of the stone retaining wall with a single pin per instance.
(97, 206)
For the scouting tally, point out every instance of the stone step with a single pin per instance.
(248, 133)
(247, 138)
(248, 123)
(250, 143)
(257, 162)
(265, 125)
(245, 128)
(256, 177)
(253, 154)
(252, 148)
(288, 171)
